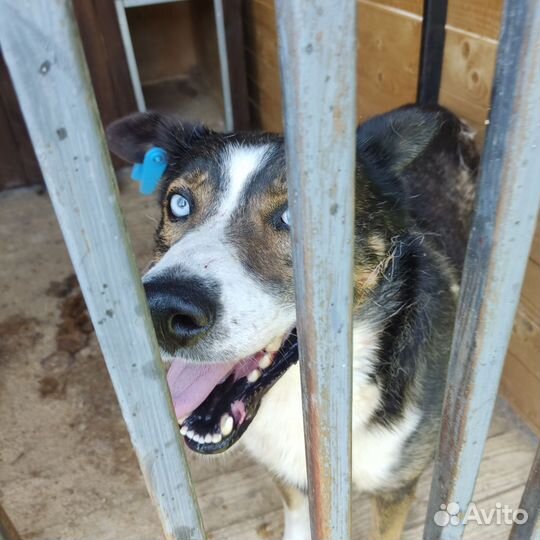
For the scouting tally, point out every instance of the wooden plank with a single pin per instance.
(163, 39)
(481, 17)
(469, 67)
(389, 48)
(317, 51)
(18, 163)
(530, 298)
(388, 60)
(525, 342)
(223, 495)
(45, 57)
(411, 6)
(497, 255)
(117, 66)
(206, 46)
(521, 389)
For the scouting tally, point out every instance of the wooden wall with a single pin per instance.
(163, 38)
(389, 48)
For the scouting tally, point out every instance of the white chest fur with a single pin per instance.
(276, 436)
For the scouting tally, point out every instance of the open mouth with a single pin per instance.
(215, 403)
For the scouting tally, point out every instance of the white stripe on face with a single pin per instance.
(251, 317)
(239, 165)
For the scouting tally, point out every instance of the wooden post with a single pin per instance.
(317, 48)
(42, 48)
(497, 254)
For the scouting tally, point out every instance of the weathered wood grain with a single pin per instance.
(43, 51)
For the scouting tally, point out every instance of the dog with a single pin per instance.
(221, 294)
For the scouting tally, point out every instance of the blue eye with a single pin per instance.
(285, 217)
(179, 206)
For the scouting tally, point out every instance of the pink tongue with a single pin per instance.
(190, 384)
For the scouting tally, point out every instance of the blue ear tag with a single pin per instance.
(150, 171)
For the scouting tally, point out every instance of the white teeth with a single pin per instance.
(208, 438)
(274, 345)
(182, 420)
(254, 375)
(265, 361)
(216, 438)
(226, 424)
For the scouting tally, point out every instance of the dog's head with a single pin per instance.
(221, 289)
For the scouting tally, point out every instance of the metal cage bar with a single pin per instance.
(530, 502)
(431, 51)
(43, 51)
(317, 49)
(224, 65)
(497, 254)
(122, 5)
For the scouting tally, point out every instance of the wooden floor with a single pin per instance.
(67, 469)
(239, 502)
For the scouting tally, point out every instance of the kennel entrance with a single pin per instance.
(104, 259)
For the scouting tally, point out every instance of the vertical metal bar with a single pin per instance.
(317, 48)
(497, 253)
(224, 65)
(431, 51)
(43, 51)
(530, 503)
(130, 54)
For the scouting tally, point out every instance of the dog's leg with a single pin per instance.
(296, 513)
(389, 513)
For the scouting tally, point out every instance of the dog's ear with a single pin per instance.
(393, 140)
(132, 136)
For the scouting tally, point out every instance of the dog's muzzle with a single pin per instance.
(183, 309)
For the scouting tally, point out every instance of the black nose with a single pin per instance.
(183, 309)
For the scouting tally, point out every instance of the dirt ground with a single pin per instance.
(67, 469)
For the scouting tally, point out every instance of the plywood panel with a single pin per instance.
(163, 40)
(388, 59)
(481, 17)
(18, 164)
(468, 69)
(389, 50)
(412, 6)
(522, 390)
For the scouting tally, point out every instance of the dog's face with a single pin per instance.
(221, 289)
